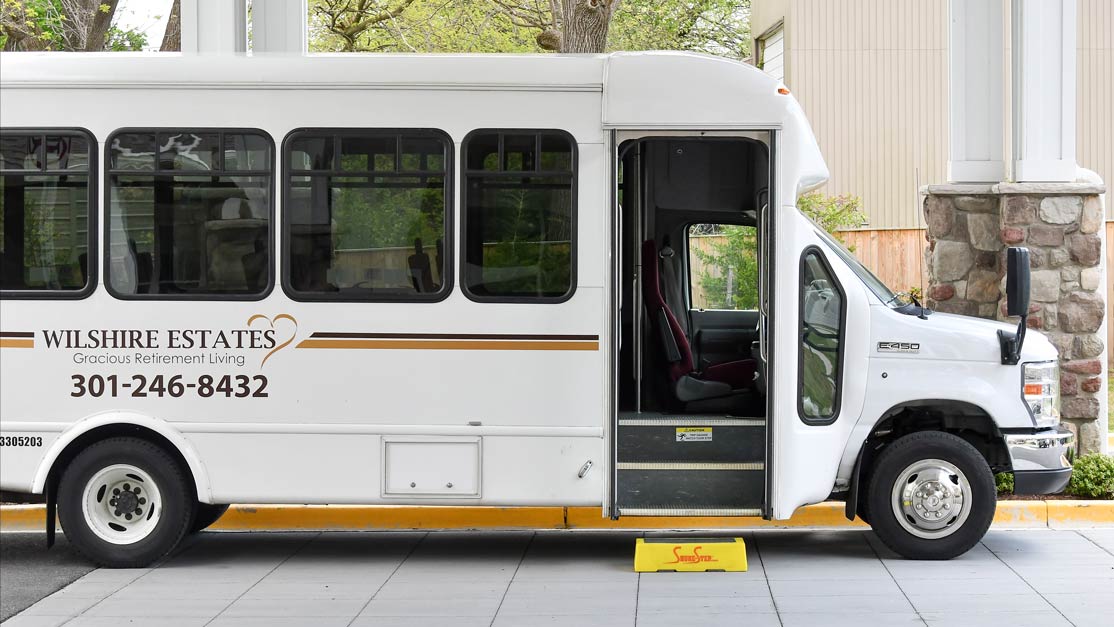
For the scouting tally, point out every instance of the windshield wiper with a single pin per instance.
(911, 308)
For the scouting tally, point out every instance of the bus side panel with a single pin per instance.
(351, 469)
(22, 451)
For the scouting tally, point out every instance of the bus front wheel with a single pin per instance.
(931, 496)
(125, 502)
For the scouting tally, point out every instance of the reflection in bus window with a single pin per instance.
(519, 215)
(189, 213)
(365, 215)
(821, 339)
(44, 211)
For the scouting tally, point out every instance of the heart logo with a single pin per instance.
(272, 322)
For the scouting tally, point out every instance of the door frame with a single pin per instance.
(767, 272)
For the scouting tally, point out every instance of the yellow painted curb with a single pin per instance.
(1015, 514)
(359, 517)
(1010, 514)
(1080, 514)
(22, 517)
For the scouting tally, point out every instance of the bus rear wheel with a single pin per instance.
(125, 502)
(931, 496)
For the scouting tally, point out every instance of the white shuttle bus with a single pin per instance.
(475, 281)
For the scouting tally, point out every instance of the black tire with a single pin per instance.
(206, 515)
(176, 511)
(901, 455)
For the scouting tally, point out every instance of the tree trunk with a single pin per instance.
(585, 24)
(172, 38)
(99, 24)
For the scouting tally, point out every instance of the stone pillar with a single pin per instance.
(969, 228)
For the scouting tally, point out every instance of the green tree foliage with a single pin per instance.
(730, 276)
(833, 213)
(714, 26)
(69, 25)
(719, 27)
(733, 257)
(31, 25)
(125, 40)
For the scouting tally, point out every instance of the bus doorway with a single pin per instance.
(691, 436)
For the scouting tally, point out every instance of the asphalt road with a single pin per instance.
(29, 572)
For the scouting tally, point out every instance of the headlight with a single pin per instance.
(1041, 391)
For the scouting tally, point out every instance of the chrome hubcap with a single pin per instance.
(121, 504)
(930, 498)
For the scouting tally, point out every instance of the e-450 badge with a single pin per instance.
(899, 347)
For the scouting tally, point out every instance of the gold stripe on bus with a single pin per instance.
(14, 343)
(468, 345)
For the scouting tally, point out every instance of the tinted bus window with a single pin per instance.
(822, 316)
(365, 215)
(189, 214)
(519, 201)
(45, 213)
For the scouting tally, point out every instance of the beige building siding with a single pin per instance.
(872, 77)
(1095, 104)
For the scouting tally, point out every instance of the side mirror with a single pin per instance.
(1017, 303)
(1017, 281)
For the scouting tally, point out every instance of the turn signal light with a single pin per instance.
(1033, 389)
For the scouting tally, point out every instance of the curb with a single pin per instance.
(1058, 514)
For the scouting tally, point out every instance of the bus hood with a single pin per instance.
(949, 337)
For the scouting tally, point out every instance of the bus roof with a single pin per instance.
(640, 90)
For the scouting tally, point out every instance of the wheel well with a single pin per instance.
(965, 420)
(116, 430)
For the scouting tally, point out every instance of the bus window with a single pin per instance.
(519, 216)
(365, 215)
(723, 266)
(189, 214)
(45, 237)
(822, 316)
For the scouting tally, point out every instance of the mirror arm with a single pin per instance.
(1012, 342)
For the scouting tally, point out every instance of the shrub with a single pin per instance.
(1004, 482)
(1092, 477)
(833, 213)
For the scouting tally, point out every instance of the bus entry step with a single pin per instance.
(690, 555)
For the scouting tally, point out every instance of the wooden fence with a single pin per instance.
(1109, 292)
(896, 256)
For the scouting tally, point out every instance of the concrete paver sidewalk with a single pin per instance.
(583, 579)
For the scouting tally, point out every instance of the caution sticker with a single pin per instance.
(694, 434)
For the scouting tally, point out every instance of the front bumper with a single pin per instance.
(1041, 460)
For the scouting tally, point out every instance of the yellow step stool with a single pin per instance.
(690, 554)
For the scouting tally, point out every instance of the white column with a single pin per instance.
(975, 73)
(214, 26)
(278, 26)
(1044, 84)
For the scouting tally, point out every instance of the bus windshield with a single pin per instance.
(866, 276)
